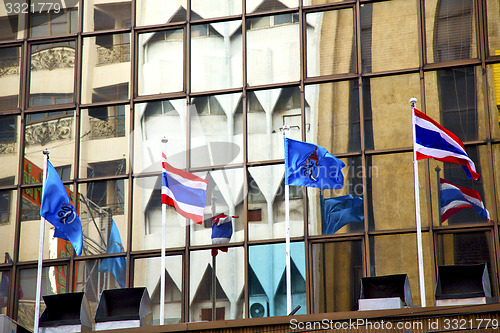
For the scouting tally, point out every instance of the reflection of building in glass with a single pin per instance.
(100, 82)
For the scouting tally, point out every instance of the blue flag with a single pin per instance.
(340, 211)
(58, 210)
(116, 266)
(310, 165)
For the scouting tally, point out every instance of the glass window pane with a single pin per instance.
(268, 111)
(230, 285)
(106, 68)
(12, 20)
(54, 282)
(60, 19)
(103, 141)
(454, 100)
(225, 191)
(107, 15)
(30, 229)
(216, 60)
(267, 279)
(9, 149)
(54, 131)
(8, 205)
(397, 254)
(150, 12)
(493, 79)
(52, 73)
(493, 18)
(330, 42)
(385, 208)
(455, 174)
(153, 121)
(337, 271)
(10, 60)
(466, 248)
(353, 185)
(387, 111)
(273, 51)
(102, 204)
(161, 62)
(382, 30)
(266, 204)
(216, 127)
(260, 6)
(147, 273)
(147, 218)
(338, 130)
(94, 276)
(214, 8)
(450, 30)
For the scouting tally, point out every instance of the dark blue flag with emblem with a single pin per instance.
(116, 266)
(58, 210)
(340, 211)
(307, 164)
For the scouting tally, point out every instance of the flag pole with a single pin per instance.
(214, 275)
(438, 169)
(164, 140)
(287, 238)
(413, 101)
(40, 250)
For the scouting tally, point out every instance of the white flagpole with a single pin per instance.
(420, 257)
(163, 230)
(287, 238)
(40, 250)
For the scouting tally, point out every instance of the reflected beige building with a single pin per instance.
(99, 83)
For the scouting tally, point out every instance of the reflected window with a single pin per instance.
(49, 99)
(208, 106)
(5, 197)
(8, 130)
(107, 122)
(54, 23)
(453, 36)
(107, 194)
(272, 21)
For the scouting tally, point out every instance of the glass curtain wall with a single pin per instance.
(100, 83)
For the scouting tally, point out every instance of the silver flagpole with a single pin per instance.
(163, 230)
(40, 250)
(287, 237)
(413, 101)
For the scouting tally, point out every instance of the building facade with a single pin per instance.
(100, 82)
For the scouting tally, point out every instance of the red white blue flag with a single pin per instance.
(455, 198)
(222, 230)
(434, 141)
(184, 191)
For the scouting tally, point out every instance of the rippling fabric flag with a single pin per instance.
(184, 191)
(340, 211)
(222, 230)
(454, 198)
(116, 266)
(435, 141)
(58, 210)
(307, 164)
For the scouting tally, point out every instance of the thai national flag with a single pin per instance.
(184, 191)
(222, 230)
(455, 198)
(434, 141)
